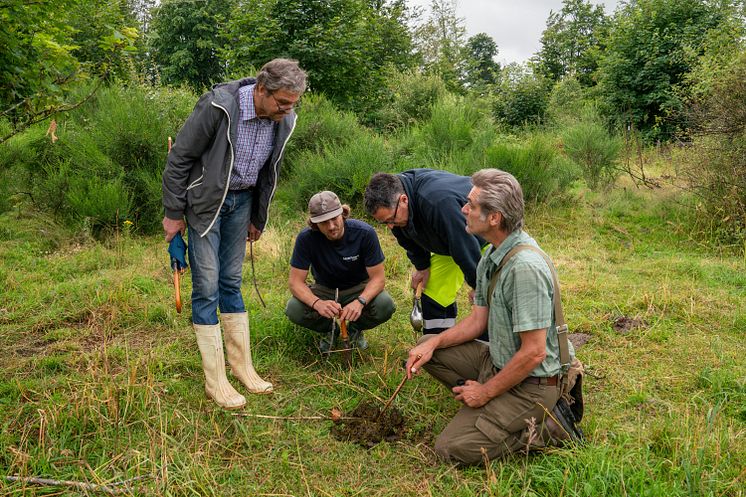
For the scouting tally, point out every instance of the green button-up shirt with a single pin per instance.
(521, 301)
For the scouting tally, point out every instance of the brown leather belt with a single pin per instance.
(536, 380)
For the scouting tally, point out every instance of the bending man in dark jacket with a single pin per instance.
(221, 175)
(422, 207)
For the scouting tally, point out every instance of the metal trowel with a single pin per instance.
(415, 318)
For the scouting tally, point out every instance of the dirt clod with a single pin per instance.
(578, 339)
(365, 430)
(625, 324)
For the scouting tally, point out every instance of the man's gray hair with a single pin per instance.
(382, 192)
(282, 74)
(500, 192)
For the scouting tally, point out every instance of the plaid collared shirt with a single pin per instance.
(253, 144)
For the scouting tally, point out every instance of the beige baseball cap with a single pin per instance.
(324, 206)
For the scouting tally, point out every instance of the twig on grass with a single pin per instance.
(292, 418)
(302, 469)
(88, 487)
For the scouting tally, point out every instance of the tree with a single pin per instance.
(440, 44)
(45, 56)
(521, 97)
(184, 40)
(481, 69)
(651, 47)
(571, 43)
(344, 45)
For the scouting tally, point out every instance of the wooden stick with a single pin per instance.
(90, 487)
(290, 418)
(396, 392)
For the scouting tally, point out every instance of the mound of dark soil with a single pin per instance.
(625, 324)
(365, 429)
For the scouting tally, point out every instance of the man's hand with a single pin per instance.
(419, 356)
(472, 393)
(352, 311)
(173, 226)
(421, 275)
(254, 233)
(327, 308)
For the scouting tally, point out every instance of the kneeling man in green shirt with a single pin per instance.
(514, 378)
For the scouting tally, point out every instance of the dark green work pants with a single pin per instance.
(379, 310)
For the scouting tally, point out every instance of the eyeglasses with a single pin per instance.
(283, 106)
(392, 219)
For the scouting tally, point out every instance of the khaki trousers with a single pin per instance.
(500, 426)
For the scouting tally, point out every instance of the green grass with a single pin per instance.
(100, 379)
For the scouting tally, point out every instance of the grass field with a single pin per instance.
(100, 379)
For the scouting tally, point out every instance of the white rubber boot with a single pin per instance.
(213, 363)
(237, 344)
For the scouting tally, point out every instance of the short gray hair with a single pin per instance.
(500, 192)
(382, 192)
(282, 74)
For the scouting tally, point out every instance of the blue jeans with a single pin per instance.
(217, 260)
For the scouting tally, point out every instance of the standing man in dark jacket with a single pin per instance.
(221, 175)
(422, 207)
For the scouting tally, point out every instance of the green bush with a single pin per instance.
(320, 125)
(456, 125)
(409, 99)
(521, 97)
(537, 164)
(343, 169)
(107, 164)
(716, 164)
(131, 125)
(594, 150)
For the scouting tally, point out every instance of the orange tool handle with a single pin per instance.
(343, 329)
(418, 292)
(177, 288)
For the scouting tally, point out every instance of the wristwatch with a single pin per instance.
(362, 300)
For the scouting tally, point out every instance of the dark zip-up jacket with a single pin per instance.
(436, 223)
(197, 175)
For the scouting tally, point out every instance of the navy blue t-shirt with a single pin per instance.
(338, 264)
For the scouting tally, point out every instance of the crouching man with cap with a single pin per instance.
(346, 260)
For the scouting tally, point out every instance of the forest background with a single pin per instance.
(627, 132)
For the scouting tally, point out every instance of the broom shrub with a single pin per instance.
(536, 163)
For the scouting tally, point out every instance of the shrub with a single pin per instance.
(107, 164)
(716, 168)
(594, 150)
(319, 125)
(456, 125)
(410, 97)
(521, 98)
(131, 125)
(541, 170)
(343, 169)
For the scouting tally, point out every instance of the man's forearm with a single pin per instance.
(301, 292)
(373, 288)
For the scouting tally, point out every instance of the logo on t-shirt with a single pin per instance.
(351, 258)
